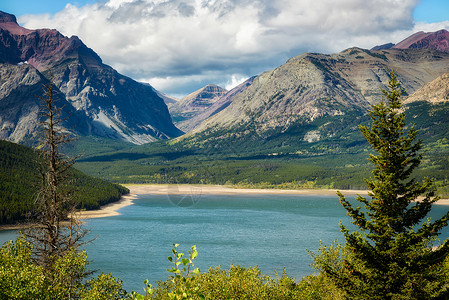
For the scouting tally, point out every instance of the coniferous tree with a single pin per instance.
(391, 256)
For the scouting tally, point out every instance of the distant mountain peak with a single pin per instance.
(438, 40)
(204, 97)
(194, 104)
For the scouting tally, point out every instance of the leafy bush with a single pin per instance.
(236, 283)
(21, 278)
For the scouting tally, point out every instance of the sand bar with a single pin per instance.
(182, 189)
(108, 210)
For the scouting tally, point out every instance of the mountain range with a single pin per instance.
(312, 98)
(101, 101)
(316, 96)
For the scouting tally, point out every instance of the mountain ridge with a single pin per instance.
(106, 103)
(323, 89)
(438, 40)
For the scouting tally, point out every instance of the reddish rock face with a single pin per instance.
(42, 48)
(438, 40)
(107, 103)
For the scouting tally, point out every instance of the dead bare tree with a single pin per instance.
(57, 230)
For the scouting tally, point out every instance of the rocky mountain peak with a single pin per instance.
(6, 18)
(195, 103)
(41, 48)
(105, 103)
(438, 40)
(8, 22)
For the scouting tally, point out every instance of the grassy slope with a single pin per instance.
(282, 160)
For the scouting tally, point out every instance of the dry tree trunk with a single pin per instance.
(57, 231)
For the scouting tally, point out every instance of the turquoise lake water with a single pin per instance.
(269, 231)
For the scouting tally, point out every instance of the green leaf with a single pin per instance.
(170, 259)
(196, 271)
(185, 261)
(194, 254)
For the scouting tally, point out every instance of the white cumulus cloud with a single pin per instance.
(181, 45)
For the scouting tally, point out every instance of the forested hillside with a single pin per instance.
(19, 181)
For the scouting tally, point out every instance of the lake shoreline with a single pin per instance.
(206, 189)
(108, 210)
(197, 189)
(136, 190)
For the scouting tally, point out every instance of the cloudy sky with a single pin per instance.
(179, 46)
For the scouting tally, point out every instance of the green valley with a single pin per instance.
(280, 161)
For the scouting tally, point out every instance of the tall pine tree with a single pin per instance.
(391, 256)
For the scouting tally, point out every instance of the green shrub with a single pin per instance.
(236, 283)
(21, 278)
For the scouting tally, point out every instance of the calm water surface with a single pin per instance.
(269, 231)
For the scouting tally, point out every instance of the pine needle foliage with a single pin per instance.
(391, 256)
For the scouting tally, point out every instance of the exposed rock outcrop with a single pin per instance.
(108, 103)
(436, 91)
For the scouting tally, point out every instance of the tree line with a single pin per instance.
(19, 181)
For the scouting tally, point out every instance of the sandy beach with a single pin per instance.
(202, 189)
(194, 189)
(107, 210)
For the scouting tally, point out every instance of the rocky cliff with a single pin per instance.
(107, 103)
(434, 92)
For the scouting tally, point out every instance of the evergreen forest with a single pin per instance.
(19, 182)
